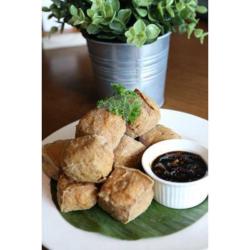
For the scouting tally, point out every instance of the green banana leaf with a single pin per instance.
(156, 221)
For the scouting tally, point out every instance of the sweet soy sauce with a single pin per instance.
(179, 166)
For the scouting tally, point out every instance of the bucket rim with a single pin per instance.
(126, 44)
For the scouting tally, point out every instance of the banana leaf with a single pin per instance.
(158, 220)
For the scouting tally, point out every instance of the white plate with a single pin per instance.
(58, 234)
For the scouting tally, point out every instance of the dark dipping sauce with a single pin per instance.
(179, 166)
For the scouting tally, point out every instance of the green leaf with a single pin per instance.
(156, 221)
(203, 37)
(191, 8)
(50, 16)
(72, 20)
(124, 102)
(152, 31)
(163, 31)
(115, 4)
(170, 11)
(169, 3)
(137, 33)
(78, 22)
(93, 29)
(81, 14)
(56, 12)
(177, 20)
(180, 6)
(108, 11)
(153, 14)
(190, 29)
(198, 33)
(201, 9)
(97, 19)
(140, 39)
(53, 30)
(142, 3)
(90, 12)
(160, 8)
(117, 25)
(73, 10)
(130, 33)
(192, 3)
(46, 9)
(57, 3)
(139, 26)
(119, 89)
(130, 40)
(124, 15)
(182, 28)
(136, 36)
(184, 13)
(142, 12)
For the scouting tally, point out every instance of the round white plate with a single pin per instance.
(58, 234)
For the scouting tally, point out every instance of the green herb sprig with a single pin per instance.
(137, 22)
(124, 102)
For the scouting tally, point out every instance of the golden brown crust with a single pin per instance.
(148, 118)
(52, 157)
(72, 195)
(102, 122)
(88, 159)
(129, 152)
(158, 133)
(126, 194)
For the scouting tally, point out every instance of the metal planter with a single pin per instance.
(143, 68)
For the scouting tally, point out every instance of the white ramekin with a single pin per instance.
(178, 195)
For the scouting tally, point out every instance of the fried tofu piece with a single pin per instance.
(148, 118)
(88, 159)
(129, 152)
(158, 133)
(72, 195)
(126, 194)
(104, 123)
(52, 157)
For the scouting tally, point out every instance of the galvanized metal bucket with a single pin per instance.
(143, 68)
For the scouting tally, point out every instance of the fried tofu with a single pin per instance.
(72, 195)
(129, 152)
(126, 194)
(148, 118)
(104, 123)
(88, 159)
(52, 157)
(158, 133)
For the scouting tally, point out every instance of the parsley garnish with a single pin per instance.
(124, 102)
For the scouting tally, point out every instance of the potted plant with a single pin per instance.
(128, 41)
